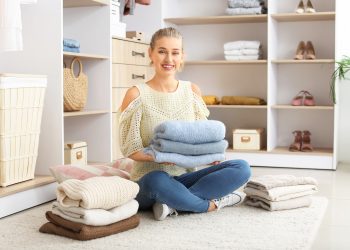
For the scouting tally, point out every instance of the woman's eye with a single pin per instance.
(162, 52)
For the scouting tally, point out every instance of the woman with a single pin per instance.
(166, 186)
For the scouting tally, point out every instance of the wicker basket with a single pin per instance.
(21, 103)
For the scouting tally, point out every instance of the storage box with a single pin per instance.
(248, 139)
(21, 104)
(75, 153)
(136, 35)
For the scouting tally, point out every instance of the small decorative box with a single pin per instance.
(75, 153)
(248, 139)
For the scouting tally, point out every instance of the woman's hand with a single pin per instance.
(168, 163)
(214, 163)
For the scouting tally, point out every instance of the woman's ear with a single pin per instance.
(150, 55)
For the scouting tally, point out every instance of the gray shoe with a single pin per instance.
(161, 211)
(231, 199)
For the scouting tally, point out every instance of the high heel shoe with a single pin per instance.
(296, 145)
(310, 51)
(298, 100)
(309, 100)
(300, 9)
(306, 142)
(299, 54)
(309, 8)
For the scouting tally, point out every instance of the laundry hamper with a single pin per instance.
(21, 103)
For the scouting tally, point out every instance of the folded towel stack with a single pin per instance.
(246, 7)
(242, 50)
(280, 192)
(71, 45)
(242, 100)
(93, 208)
(210, 99)
(188, 144)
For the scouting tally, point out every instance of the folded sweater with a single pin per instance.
(256, 201)
(242, 100)
(264, 182)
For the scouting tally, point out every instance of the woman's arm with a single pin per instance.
(141, 156)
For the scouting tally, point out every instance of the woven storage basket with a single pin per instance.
(75, 87)
(21, 103)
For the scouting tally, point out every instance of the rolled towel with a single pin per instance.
(210, 99)
(255, 201)
(242, 45)
(194, 132)
(79, 231)
(242, 100)
(96, 217)
(244, 11)
(71, 43)
(169, 146)
(96, 192)
(264, 182)
(185, 161)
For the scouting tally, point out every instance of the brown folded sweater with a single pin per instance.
(78, 231)
(210, 99)
(242, 100)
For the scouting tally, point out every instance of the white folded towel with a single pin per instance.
(271, 181)
(281, 193)
(242, 45)
(243, 11)
(256, 201)
(241, 52)
(96, 217)
(96, 192)
(243, 57)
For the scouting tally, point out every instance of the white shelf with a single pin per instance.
(83, 3)
(217, 19)
(295, 17)
(84, 55)
(85, 113)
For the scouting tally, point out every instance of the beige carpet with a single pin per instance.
(239, 227)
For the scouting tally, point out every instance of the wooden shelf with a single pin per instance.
(315, 152)
(217, 19)
(292, 61)
(220, 62)
(231, 150)
(85, 112)
(286, 106)
(295, 17)
(84, 55)
(26, 185)
(82, 3)
(238, 106)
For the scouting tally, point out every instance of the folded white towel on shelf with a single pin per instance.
(243, 57)
(241, 52)
(271, 181)
(243, 11)
(244, 3)
(281, 193)
(242, 45)
(96, 217)
(299, 202)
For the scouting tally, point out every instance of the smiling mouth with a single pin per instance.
(168, 66)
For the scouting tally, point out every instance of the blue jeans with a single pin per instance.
(192, 191)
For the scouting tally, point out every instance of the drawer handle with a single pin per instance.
(79, 155)
(245, 139)
(134, 76)
(135, 53)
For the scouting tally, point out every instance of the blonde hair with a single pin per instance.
(167, 32)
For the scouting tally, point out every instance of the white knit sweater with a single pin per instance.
(96, 192)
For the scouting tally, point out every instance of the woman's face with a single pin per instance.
(167, 55)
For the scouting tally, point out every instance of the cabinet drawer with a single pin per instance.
(128, 75)
(117, 98)
(116, 153)
(129, 52)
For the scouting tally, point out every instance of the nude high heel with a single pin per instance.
(296, 145)
(309, 8)
(310, 51)
(306, 142)
(299, 54)
(300, 9)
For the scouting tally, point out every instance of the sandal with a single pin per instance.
(306, 144)
(298, 99)
(296, 145)
(309, 100)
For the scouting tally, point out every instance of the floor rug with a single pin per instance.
(240, 227)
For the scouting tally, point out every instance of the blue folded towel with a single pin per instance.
(169, 146)
(69, 49)
(186, 161)
(195, 132)
(71, 43)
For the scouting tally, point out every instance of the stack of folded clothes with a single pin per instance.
(242, 100)
(280, 192)
(93, 208)
(242, 50)
(71, 45)
(210, 99)
(188, 144)
(246, 7)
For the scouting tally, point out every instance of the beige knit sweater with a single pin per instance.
(96, 192)
(151, 108)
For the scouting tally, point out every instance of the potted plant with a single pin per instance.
(343, 66)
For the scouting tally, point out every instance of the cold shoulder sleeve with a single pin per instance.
(129, 128)
(200, 108)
